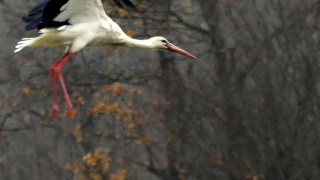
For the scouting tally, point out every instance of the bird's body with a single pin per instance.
(78, 36)
(75, 24)
(89, 28)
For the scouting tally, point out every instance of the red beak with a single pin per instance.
(174, 48)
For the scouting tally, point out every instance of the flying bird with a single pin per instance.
(75, 24)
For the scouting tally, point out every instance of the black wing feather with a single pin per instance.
(124, 3)
(118, 3)
(43, 14)
(34, 17)
(50, 11)
(128, 3)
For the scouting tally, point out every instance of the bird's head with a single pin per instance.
(162, 43)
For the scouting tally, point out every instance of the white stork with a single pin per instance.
(75, 24)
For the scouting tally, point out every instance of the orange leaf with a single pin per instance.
(120, 175)
(98, 151)
(26, 91)
(14, 104)
(117, 50)
(141, 118)
(105, 161)
(43, 92)
(80, 99)
(139, 91)
(142, 7)
(95, 176)
(139, 22)
(131, 125)
(43, 113)
(73, 113)
(130, 32)
(77, 129)
(147, 163)
(87, 156)
(79, 140)
(122, 12)
(184, 7)
(128, 118)
(143, 141)
(118, 21)
(92, 161)
(98, 132)
(68, 166)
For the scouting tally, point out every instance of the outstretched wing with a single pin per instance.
(56, 13)
(77, 11)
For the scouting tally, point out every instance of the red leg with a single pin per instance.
(54, 111)
(66, 96)
(60, 65)
(55, 69)
(55, 107)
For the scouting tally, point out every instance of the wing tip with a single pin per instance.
(22, 44)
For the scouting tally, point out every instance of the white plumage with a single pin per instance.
(75, 24)
(78, 11)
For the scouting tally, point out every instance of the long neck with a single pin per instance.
(136, 43)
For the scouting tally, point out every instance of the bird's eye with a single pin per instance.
(164, 41)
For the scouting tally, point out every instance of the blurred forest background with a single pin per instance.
(247, 109)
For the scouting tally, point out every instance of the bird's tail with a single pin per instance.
(23, 43)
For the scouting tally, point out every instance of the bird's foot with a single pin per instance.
(54, 113)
